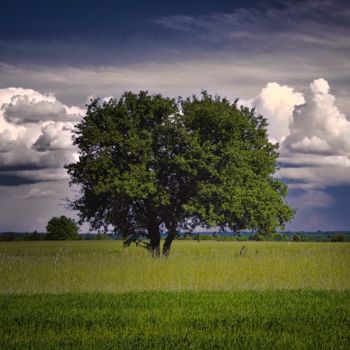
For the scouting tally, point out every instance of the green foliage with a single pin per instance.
(16, 236)
(338, 238)
(296, 238)
(9, 236)
(204, 237)
(257, 237)
(177, 320)
(62, 228)
(102, 237)
(143, 165)
(35, 236)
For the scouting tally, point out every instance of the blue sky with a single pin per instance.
(105, 18)
(289, 59)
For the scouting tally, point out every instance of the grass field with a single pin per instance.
(64, 267)
(99, 295)
(177, 320)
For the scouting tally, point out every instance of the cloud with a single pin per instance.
(22, 110)
(35, 134)
(311, 23)
(310, 145)
(5, 141)
(54, 136)
(320, 176)
(28, 207)
(315, 140)
(316, 151)
(17, 177)
(39, 193)
(312, 199)
(318, 126)
(276, 103)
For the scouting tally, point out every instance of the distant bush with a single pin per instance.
(236, 237)
(102, 237)
(338, 238)
(241, 238)
(204, 237)
(276, 237)
(62, 228)
(35, 236)
(185, 238)
(213, 237)
(257, 237)
(9, 236)
(296, 238)
(17, 236)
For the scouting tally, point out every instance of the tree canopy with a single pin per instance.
(62, 228)
(149, 164)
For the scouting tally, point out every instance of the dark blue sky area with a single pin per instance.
(59, 19)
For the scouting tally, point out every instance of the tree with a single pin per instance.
(62, 228)
(149, 164)
(35, 236)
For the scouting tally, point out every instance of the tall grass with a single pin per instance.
(83, 267)
(177, 320)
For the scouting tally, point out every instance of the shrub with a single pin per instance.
(296, 238)
(62, 228)
(338, 238)
(102, 237)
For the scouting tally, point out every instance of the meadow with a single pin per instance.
(208, 294)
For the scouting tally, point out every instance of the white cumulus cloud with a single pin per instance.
(276, 103)
(35, 131)
(54, 136)
(23, 110)
(318, 127)
(314, 136)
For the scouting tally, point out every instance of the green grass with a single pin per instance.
(99, 295)
(177, 320)
(80, 267)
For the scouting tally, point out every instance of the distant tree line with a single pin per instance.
(318, 236)
(283, 237)
(19, 236)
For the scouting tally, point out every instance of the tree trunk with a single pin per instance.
(154, 236)
(168, 241)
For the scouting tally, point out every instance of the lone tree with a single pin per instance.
(61, 228)
(149, 164)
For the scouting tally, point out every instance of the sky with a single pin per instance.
(288, 59)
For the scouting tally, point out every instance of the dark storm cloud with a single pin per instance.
(14, 180)
(11, 168)
(329, 213)
(28, 166)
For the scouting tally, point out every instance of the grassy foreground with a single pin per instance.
(81, 267)
(208, 295)
(177, 320)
